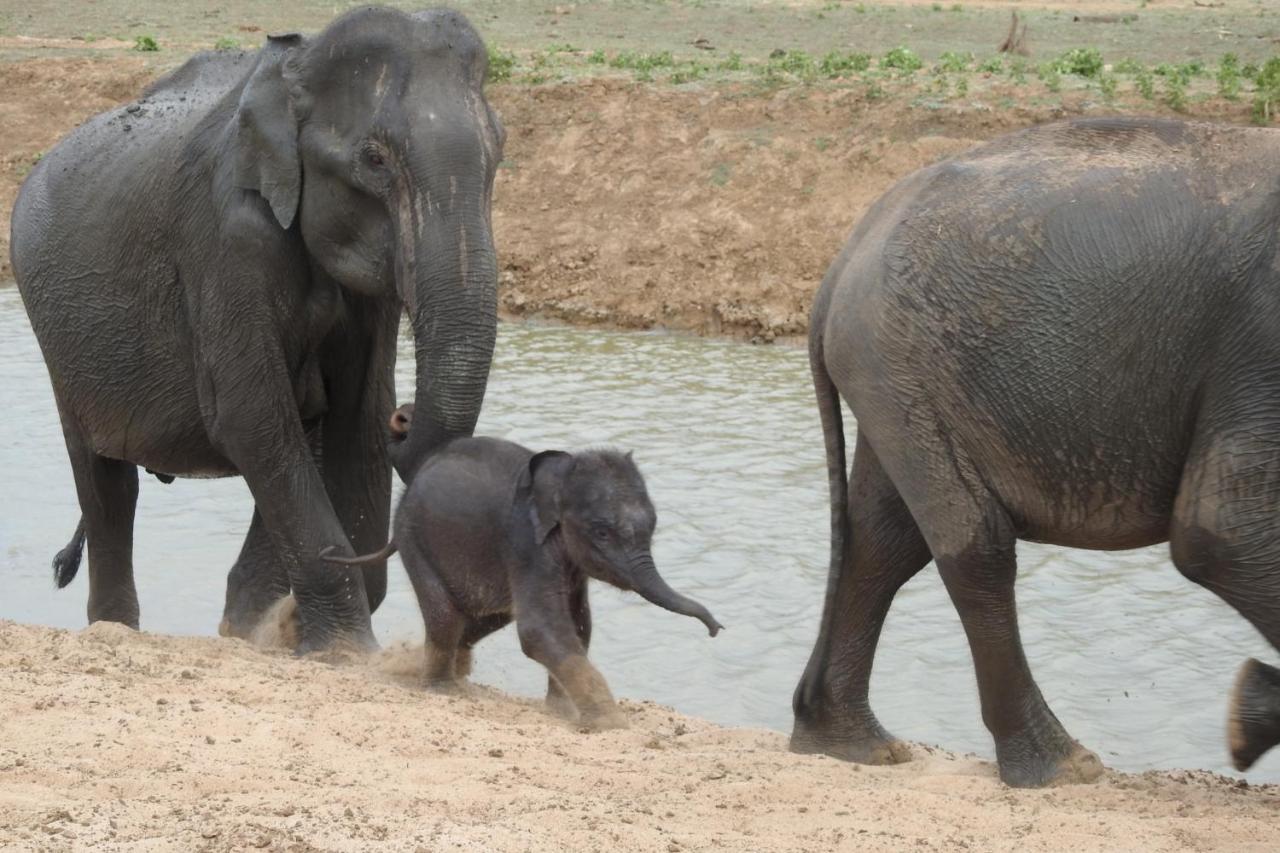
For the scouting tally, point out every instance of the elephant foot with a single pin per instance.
(1253, 723)
(122, 609)
(865, 743)
(560, 705)
(604, 720)
(1036, 758)
(446, 686)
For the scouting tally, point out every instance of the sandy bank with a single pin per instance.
(111, 740)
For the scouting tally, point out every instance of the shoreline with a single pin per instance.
(111, 739)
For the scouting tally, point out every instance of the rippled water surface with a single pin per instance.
(1135, 661)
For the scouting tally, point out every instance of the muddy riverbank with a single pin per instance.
(708, 209)
(112, 740)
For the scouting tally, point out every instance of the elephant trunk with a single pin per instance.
(646, 581)
(449, 286)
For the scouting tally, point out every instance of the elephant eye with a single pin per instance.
(376, 160)
(600, 531)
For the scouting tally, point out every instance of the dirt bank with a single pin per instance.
(111, 740)
(709, 209)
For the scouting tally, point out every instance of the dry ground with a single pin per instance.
(112, 740)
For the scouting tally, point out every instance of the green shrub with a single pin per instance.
(1146, 85)
(1081, 61)
(146, 43)
(501, 64)
(837, 64)
(1175, 93)
(1107, 84)
(1050, 76)
(1267, 95)
(994, 65)
(732, 62)
(1128, 66)
(226, 43)
(903, 59)
(955, 62)
(596, 57)
(1229, 76)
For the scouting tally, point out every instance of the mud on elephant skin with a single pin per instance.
(1069, 336)
(216, 274)
(490, 531)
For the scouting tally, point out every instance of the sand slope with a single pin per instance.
(111, 740)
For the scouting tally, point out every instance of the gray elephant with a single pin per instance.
(216, 273)
(1070, 335)
(490, 531)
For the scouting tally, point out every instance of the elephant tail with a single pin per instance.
(67, 561)
(387, 551)
(833, 437)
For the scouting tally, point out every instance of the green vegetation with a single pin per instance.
(1267, 93)
(955, 62)
(501, 64)
(226, 43)
(146, 43)
(837, 64)
(1081, 61)
(903, 59)
(1230, 78)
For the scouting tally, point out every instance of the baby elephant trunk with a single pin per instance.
(646, 581)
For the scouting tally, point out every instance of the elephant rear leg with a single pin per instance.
(882, 550)
(108, 493)
(1226, 537)
(973, 539)
(256, 582)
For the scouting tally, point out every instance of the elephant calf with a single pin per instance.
(489, 531)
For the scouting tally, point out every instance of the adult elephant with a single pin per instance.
(1070, 335)
(216, 275)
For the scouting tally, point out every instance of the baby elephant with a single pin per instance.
(489, 531)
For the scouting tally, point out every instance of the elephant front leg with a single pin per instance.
(558, 700)
(358, 365)
(549, 635)
(256, 429)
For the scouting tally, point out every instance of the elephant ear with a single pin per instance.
(266, 142)
(546, 477)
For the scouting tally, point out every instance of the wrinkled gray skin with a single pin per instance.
(216, 274)
(490, 531)
(1070, 335)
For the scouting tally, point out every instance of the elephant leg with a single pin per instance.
(549, 635)
(558, 701)
(353, 435)
(881, 552)
(1226, 537)
(263, 438)
(256, 581)
(476, 630)
(447, 627)
(108, 493)
(974, 550)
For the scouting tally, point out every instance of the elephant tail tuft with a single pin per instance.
(67, 561)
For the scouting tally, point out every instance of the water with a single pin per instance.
(1136, 661)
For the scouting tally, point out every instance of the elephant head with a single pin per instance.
(598, 503)
(374, 141)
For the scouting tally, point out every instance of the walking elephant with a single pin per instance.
(1070, 335)
(491, 532)
(216, 273)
